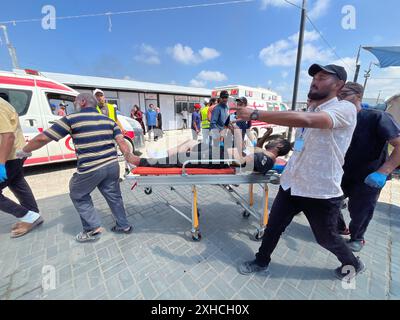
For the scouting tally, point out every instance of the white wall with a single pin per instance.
(126, 102)
(167, 108)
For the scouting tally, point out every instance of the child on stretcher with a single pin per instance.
(258, 160)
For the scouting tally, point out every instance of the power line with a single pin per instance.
(108, 14)
(293, 4)
(328, 44)
(321, 35)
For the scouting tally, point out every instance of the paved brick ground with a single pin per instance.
(159, 260)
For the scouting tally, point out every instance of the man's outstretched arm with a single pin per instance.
(36, 143)
(320, 120)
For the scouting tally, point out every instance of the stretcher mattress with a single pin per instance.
(153, 171)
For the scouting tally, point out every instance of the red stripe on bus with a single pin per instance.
(31, 83)
(70, 156)
(17, 81)
(55, 158)
(37, 160)
(51, 85)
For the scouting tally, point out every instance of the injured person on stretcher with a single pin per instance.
(261, 159)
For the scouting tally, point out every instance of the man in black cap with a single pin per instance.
(311, 180)
(218, 118)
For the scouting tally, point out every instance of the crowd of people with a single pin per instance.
(340, 151)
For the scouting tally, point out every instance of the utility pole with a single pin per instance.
(11, 49)
(379, 95)
(298, 62)
(357, 65)
(367, 75)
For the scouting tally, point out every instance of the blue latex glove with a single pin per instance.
(254, 143)
(3, 172)
(376, 180)
(278, 168)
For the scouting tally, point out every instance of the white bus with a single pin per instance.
(260, 99)
(37, 100)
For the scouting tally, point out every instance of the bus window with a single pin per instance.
(19, 99)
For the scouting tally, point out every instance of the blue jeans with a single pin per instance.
(106, 179)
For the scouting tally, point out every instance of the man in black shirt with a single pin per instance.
(367, 164)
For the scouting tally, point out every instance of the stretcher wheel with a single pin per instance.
(196, 236)
(148, 191)
(246, 214)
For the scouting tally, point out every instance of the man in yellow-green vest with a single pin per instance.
(106, 108)
(205, 123)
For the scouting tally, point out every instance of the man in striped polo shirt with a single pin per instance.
(94, 136)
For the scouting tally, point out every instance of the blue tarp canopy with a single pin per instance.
(387, 56)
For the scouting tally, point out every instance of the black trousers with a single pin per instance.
(361, 205)
(322, 214)
(20, 188)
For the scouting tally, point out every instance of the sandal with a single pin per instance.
(116, 229)
(89, 236)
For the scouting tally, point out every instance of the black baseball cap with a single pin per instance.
(224, 94)
(242, 100)
(339, 71)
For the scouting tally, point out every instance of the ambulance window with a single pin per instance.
(61, 104)
(19, 99)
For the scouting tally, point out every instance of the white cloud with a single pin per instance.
(309, 36)
(197, 83)
(284, 74)
(320, 8)
(148, 55)
(204, 77)
(284, 52)
(277, 3)
(316, 8)
(186, 55)
(212, 76)
(386, 80)
(209, 53)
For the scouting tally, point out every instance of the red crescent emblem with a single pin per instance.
(69, 144)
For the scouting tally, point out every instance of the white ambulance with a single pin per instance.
(39, 102)
(260, 99)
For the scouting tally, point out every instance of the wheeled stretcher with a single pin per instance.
(149, 177)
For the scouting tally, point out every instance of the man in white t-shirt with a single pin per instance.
(311, 180)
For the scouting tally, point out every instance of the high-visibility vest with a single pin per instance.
(205, 124)
(112, 114)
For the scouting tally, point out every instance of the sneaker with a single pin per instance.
(250, 267)
(341, 274)
(356, 245)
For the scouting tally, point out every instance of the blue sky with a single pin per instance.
(251, 43)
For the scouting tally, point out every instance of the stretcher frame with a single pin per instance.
(224, 181)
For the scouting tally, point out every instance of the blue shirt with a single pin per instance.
(196, 120)
(93, 135)
(219, 116)
(151, 117)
